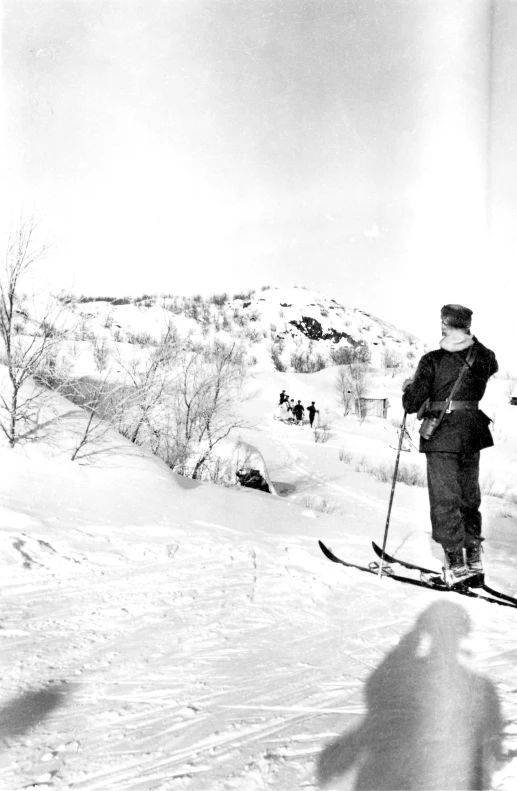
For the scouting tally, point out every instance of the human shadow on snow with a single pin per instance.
(431, 723)
(25, 711)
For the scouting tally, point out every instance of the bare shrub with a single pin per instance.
(410, 474)
(346, 355)
(362, 465)
(253, 335)
(345, 456)
(307, 363)
(141, 339)
(100, 353)
(322, 433)
(275, 351)
(244, 295)
(317, 503)
(489, 487)
(219, 299)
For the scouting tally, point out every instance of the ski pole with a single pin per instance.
(401, 440)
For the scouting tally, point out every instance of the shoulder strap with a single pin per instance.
(471, 356)
(466, 365)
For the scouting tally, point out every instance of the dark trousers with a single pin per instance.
(455, 498)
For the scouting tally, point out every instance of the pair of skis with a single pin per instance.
(494, 596)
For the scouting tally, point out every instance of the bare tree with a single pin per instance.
(511, 382)
(392, 360)
(29, 340)
(206, 394)
(149, 381)
(103, 402)
(352, 383)
(343, 387)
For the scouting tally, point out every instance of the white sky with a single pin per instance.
(200, 146)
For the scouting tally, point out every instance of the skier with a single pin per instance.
(461, 432)
(284, 411)
(298, 412)
(283, 397)
(312, 412)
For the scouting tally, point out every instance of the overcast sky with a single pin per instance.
(357, 147)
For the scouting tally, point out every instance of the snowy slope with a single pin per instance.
(307, 321)
(162, 633)
(300, 329)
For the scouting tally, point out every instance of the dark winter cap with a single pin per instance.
(456, 316)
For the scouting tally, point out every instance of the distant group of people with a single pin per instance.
(295, 411)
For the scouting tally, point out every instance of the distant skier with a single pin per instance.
(283, 397)
(312, 412)
(298, 410)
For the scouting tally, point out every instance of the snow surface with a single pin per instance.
(164, 633)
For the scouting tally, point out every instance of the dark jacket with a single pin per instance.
(461, 431)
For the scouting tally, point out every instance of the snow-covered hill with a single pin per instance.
(283, 328)
(161, 633)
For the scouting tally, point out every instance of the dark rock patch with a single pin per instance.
(313, 330)
(253, 479)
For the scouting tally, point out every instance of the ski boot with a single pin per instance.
(454, 575)
(475, 565)
(455, 572)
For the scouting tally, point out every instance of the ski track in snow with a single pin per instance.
(224, 661)
(177, 713)
(236, 697)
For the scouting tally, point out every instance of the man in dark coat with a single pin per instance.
(452, 452)
(298, 411)
(312, 412)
